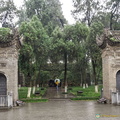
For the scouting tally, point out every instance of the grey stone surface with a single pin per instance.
(62, 110)
(109, 42)
(9, 67)
(111, 65)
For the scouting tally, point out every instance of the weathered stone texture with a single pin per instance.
(109, 43)
(9, 67)
(111, 65)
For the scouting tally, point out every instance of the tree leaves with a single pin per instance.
(8, 11)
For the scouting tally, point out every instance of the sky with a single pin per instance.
(66, 8)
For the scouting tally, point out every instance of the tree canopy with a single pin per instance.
(53, 48)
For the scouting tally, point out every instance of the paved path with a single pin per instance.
(62, 110)
(52, 93)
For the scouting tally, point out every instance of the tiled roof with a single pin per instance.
(111, 37)
(115, 36)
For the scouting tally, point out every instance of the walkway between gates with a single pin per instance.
(52, 93)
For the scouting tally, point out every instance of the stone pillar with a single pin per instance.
(110, 67)
(9, 65)
(109, 42)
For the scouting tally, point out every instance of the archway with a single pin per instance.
(3, 85)
(118, 80)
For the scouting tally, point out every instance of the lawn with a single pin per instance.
(22, 92)
(88, 93)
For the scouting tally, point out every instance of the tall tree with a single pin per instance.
(114, 7)
(85, 10)
(8, 13)
(49, 12)
(79, 35)
(26, 65)
(36, 37)
(62, 47)
(93, 50)
(68, 42)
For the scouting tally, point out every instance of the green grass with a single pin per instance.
(42, 92)
(33, 98)
(88, 93)
(22, 92)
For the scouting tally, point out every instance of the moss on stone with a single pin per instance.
(114, 39)
(5, 35)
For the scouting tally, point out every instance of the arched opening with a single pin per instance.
(3, 85)
(118, 80)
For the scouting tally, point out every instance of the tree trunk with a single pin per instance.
(94, 73)
(29, 92)
(81, 82)
(94, 77)
(111, 21)
(33, 89)
(84, 78)
(65, 72)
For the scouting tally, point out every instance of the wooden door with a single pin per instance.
(3, 85)
(118, 81)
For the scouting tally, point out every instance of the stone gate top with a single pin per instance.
(10, 43)
(10, 39)
(109, 37)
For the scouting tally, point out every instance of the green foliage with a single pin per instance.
(34, 49)
(49, 13)
(94, 51)
(46, 38)
(44, 76)
(25, 59)
(95, 29)
(5, 35)
(8, 11)
(113, 39)
(113, 7)
(68, 42)
(87, 8)
(4, 31)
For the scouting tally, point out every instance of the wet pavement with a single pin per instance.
(62, 110)
(53, 93)
(59, 108)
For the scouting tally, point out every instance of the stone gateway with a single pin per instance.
(109, 43)
(9, 65)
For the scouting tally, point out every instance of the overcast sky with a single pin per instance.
(66, 7)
